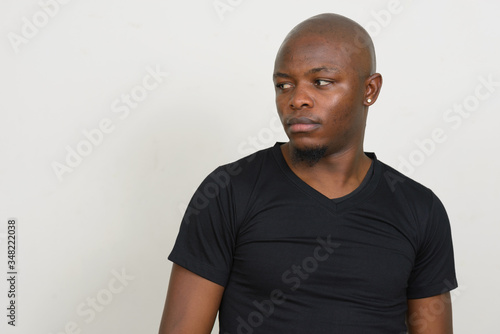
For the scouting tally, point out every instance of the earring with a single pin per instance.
(369, 100)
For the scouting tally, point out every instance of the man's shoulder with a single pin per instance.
(405, 189)
(242, 175)
(248, 165)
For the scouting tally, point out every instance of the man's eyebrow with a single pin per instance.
(323, 68)
(280, 75)
(311, 71)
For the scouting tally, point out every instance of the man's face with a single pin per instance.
(319, 95)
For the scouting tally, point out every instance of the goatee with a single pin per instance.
(309, 156)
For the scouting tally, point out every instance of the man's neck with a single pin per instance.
(334, 175)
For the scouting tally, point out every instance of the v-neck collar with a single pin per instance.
(336, 205)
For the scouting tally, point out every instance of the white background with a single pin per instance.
(119, 208)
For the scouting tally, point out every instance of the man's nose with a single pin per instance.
(301, 98)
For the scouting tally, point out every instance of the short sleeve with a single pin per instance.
(206, 238)
(434, 269)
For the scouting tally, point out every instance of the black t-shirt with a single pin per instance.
(294, 261)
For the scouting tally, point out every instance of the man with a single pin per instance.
(314, 235)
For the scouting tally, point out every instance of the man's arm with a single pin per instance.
(430, 315)
(192, 303)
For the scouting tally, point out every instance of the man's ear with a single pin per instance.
(373, 84)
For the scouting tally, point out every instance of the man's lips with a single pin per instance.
(302, 124)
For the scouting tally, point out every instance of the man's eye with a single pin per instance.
(322, 82)
(283, 85)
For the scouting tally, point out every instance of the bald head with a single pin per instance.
(348, 36)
